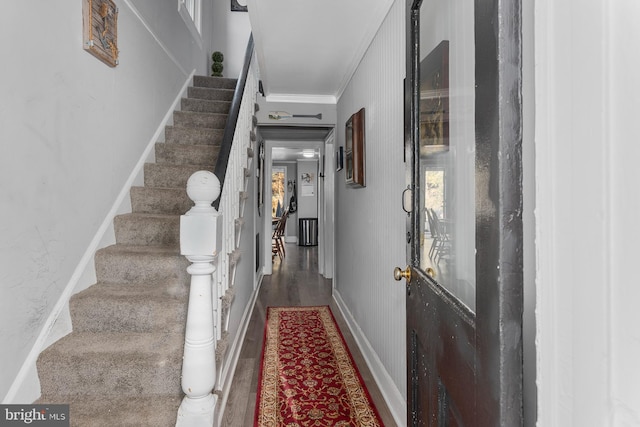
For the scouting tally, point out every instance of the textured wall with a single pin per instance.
(71, 132)
(370, 222)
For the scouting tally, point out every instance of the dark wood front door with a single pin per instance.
(463, 151)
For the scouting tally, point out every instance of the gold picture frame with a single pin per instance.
(100, 30)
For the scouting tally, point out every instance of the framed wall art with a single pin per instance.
(339, 159)
(354, 150)
(100, 30)
(238, 5)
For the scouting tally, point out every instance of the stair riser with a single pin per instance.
(179, 154)
(128, 329)
(212, 94)
(161, 175)
(160, 200)
(152, 231)
(204, 106)
(116, 267)
(98, 313)
(132, 374)
(215, 82)
(180, 135)
(200, 120)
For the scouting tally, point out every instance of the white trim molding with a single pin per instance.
(396, 403)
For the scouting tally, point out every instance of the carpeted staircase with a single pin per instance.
(121, 364)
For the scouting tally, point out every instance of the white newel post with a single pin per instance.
(200, 240)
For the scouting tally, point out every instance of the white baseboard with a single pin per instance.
(396, 403)
(234, 353)
(26, 386)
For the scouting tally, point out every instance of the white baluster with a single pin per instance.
(200, 239)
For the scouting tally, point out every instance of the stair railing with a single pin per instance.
(214, 228)
(231, 128)
(235, 166)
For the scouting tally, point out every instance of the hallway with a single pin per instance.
(295, 282)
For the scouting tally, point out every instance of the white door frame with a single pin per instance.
(266, 218)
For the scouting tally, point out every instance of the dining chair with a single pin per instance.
(277, 239)
(442, 240)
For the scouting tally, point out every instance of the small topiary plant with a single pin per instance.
(216, 66)
(217, 56)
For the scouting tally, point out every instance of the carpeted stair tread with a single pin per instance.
(168, 175)
(205, 106)
(134, 264)
(147, 229)
(216, 82)
(187, 154)
(201, 120)
(122, 363)
(185, 135)
(161, 200)
(115, 411)
(121, 307)
(126, 364)
(210, 93)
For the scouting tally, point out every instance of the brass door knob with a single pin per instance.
(431, 272)
(399, 273)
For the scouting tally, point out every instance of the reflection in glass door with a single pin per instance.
(447, 146)
(434, 197)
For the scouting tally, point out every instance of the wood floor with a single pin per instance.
(295, 282)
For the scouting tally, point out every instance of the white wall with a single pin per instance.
(307, 204)
(230, 36)
(587, 200)
(624, 88)
(370, 222)
(71, 132)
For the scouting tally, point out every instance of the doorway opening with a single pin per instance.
(294, 159)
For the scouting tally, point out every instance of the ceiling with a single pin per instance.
(308, 50)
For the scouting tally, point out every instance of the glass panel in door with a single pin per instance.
(447, 145)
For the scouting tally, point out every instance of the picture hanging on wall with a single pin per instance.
(339, 159)
(238, 5)
(100, 30)
(354, 151)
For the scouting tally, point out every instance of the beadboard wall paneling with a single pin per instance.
(370, 222)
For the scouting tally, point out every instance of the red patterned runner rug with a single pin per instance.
(308, 377)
